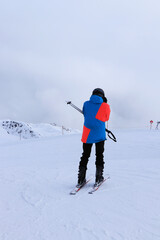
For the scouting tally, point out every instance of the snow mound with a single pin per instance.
(27, 131)
(52, 129)
(23, 130)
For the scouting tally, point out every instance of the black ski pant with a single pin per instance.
(87, 147)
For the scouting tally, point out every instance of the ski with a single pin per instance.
(96, 186)
(77, 189)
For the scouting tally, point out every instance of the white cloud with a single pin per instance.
(56, 51)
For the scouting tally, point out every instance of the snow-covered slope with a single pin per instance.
(23, 130)
(27, 131)
(36, 177)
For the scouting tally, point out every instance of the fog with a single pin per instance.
(53, 51)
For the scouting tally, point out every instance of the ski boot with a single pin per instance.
(99, 175)
(81, 176)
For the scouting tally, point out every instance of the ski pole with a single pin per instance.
(78, 109)
(110, 134)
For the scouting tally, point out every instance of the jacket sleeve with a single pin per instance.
(103, 113)
(108, 111)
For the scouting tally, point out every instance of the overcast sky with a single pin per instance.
(52, 51)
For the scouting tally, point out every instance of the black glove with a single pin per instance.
(105, 99)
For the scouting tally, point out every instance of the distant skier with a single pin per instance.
(96, 112)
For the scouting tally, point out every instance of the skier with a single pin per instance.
(96, 112)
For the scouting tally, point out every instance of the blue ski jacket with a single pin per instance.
(96, 113)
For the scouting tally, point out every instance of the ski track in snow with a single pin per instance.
(37, 176)
(32, 196)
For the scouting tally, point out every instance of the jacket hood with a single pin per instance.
(96, 99)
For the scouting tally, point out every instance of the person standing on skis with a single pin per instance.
(96, 112)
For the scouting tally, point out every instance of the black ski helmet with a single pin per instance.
(99, 92)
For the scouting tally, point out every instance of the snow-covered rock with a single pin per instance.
(27, 131)
(20, 129)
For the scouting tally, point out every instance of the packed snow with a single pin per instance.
(37, 174)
